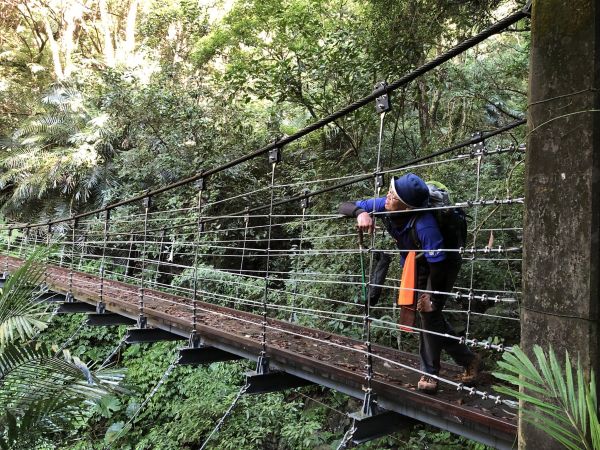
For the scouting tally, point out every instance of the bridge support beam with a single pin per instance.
(204, 355)
(367, 428)
(108, 320)
(150, 335)
(75, 307)
(51, 296)
(561, 267)
(264, 379)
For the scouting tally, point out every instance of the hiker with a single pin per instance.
(436, 269)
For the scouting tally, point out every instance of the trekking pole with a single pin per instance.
(361, 247)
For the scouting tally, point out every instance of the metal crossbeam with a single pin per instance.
(149, 335)
(108, 320)
(273, 381)
(204, 355)
(51, 296)
(367, 428)
(75, 307)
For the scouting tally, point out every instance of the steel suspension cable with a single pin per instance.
(366, 298)
(199, 228)
(8, 241)
(142, 320)
(246, 223)
(274, 158)
(481, 146)
(304, 205)
(70, 289)
(103, 261)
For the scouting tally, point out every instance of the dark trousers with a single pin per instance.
(431, 345)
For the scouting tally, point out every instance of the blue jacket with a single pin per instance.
(426, 227)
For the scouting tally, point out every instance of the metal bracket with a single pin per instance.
(382, 103)
(273, 381)
(478, 148)
(379, 180)
(107, 320)
(195, 340)
(367, 428)
(100, 307)
(371, 423)
(204, 355)
(69, 298)
(141, 335)
(263, 379)
(262, 365)
(200, 184)
(4, 278)
(275, 155)
(75, 307)
(370, 407)
(142, 321)
(52, 297)
(527, 8)
(147, 202)
(305, 202)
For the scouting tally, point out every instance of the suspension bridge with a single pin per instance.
(272, 274)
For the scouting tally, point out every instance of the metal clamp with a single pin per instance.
(382, 103)
(275, 155)
(305, 202)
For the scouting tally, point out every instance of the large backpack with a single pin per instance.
(451, 221)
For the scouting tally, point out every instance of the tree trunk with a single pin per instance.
(54, 49)
(129, 45)
(109, 50)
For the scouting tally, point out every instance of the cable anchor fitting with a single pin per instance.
(370, 406)
(478, 148)
(200, 184)
(382, 103)
(262, 365)
(195, 340)
(275, 155)
(305, 201)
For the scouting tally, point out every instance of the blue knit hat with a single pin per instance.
(411, 189)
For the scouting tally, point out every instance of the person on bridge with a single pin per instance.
(436, 269)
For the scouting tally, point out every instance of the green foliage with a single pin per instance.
(203, 87)
(42, 389)
(57, 161)
(559, 402)
(21, 316)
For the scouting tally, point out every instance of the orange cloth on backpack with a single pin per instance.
(407, 284)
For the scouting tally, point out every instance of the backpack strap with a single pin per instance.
(412, 229)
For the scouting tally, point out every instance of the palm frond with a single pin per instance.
(41, 419)
(45, 393)
(21, 314)
(31, 372)
(563, 407)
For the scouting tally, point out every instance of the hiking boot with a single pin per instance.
(471, 372)
(429, 385)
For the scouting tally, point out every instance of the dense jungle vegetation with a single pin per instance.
(101, 100)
